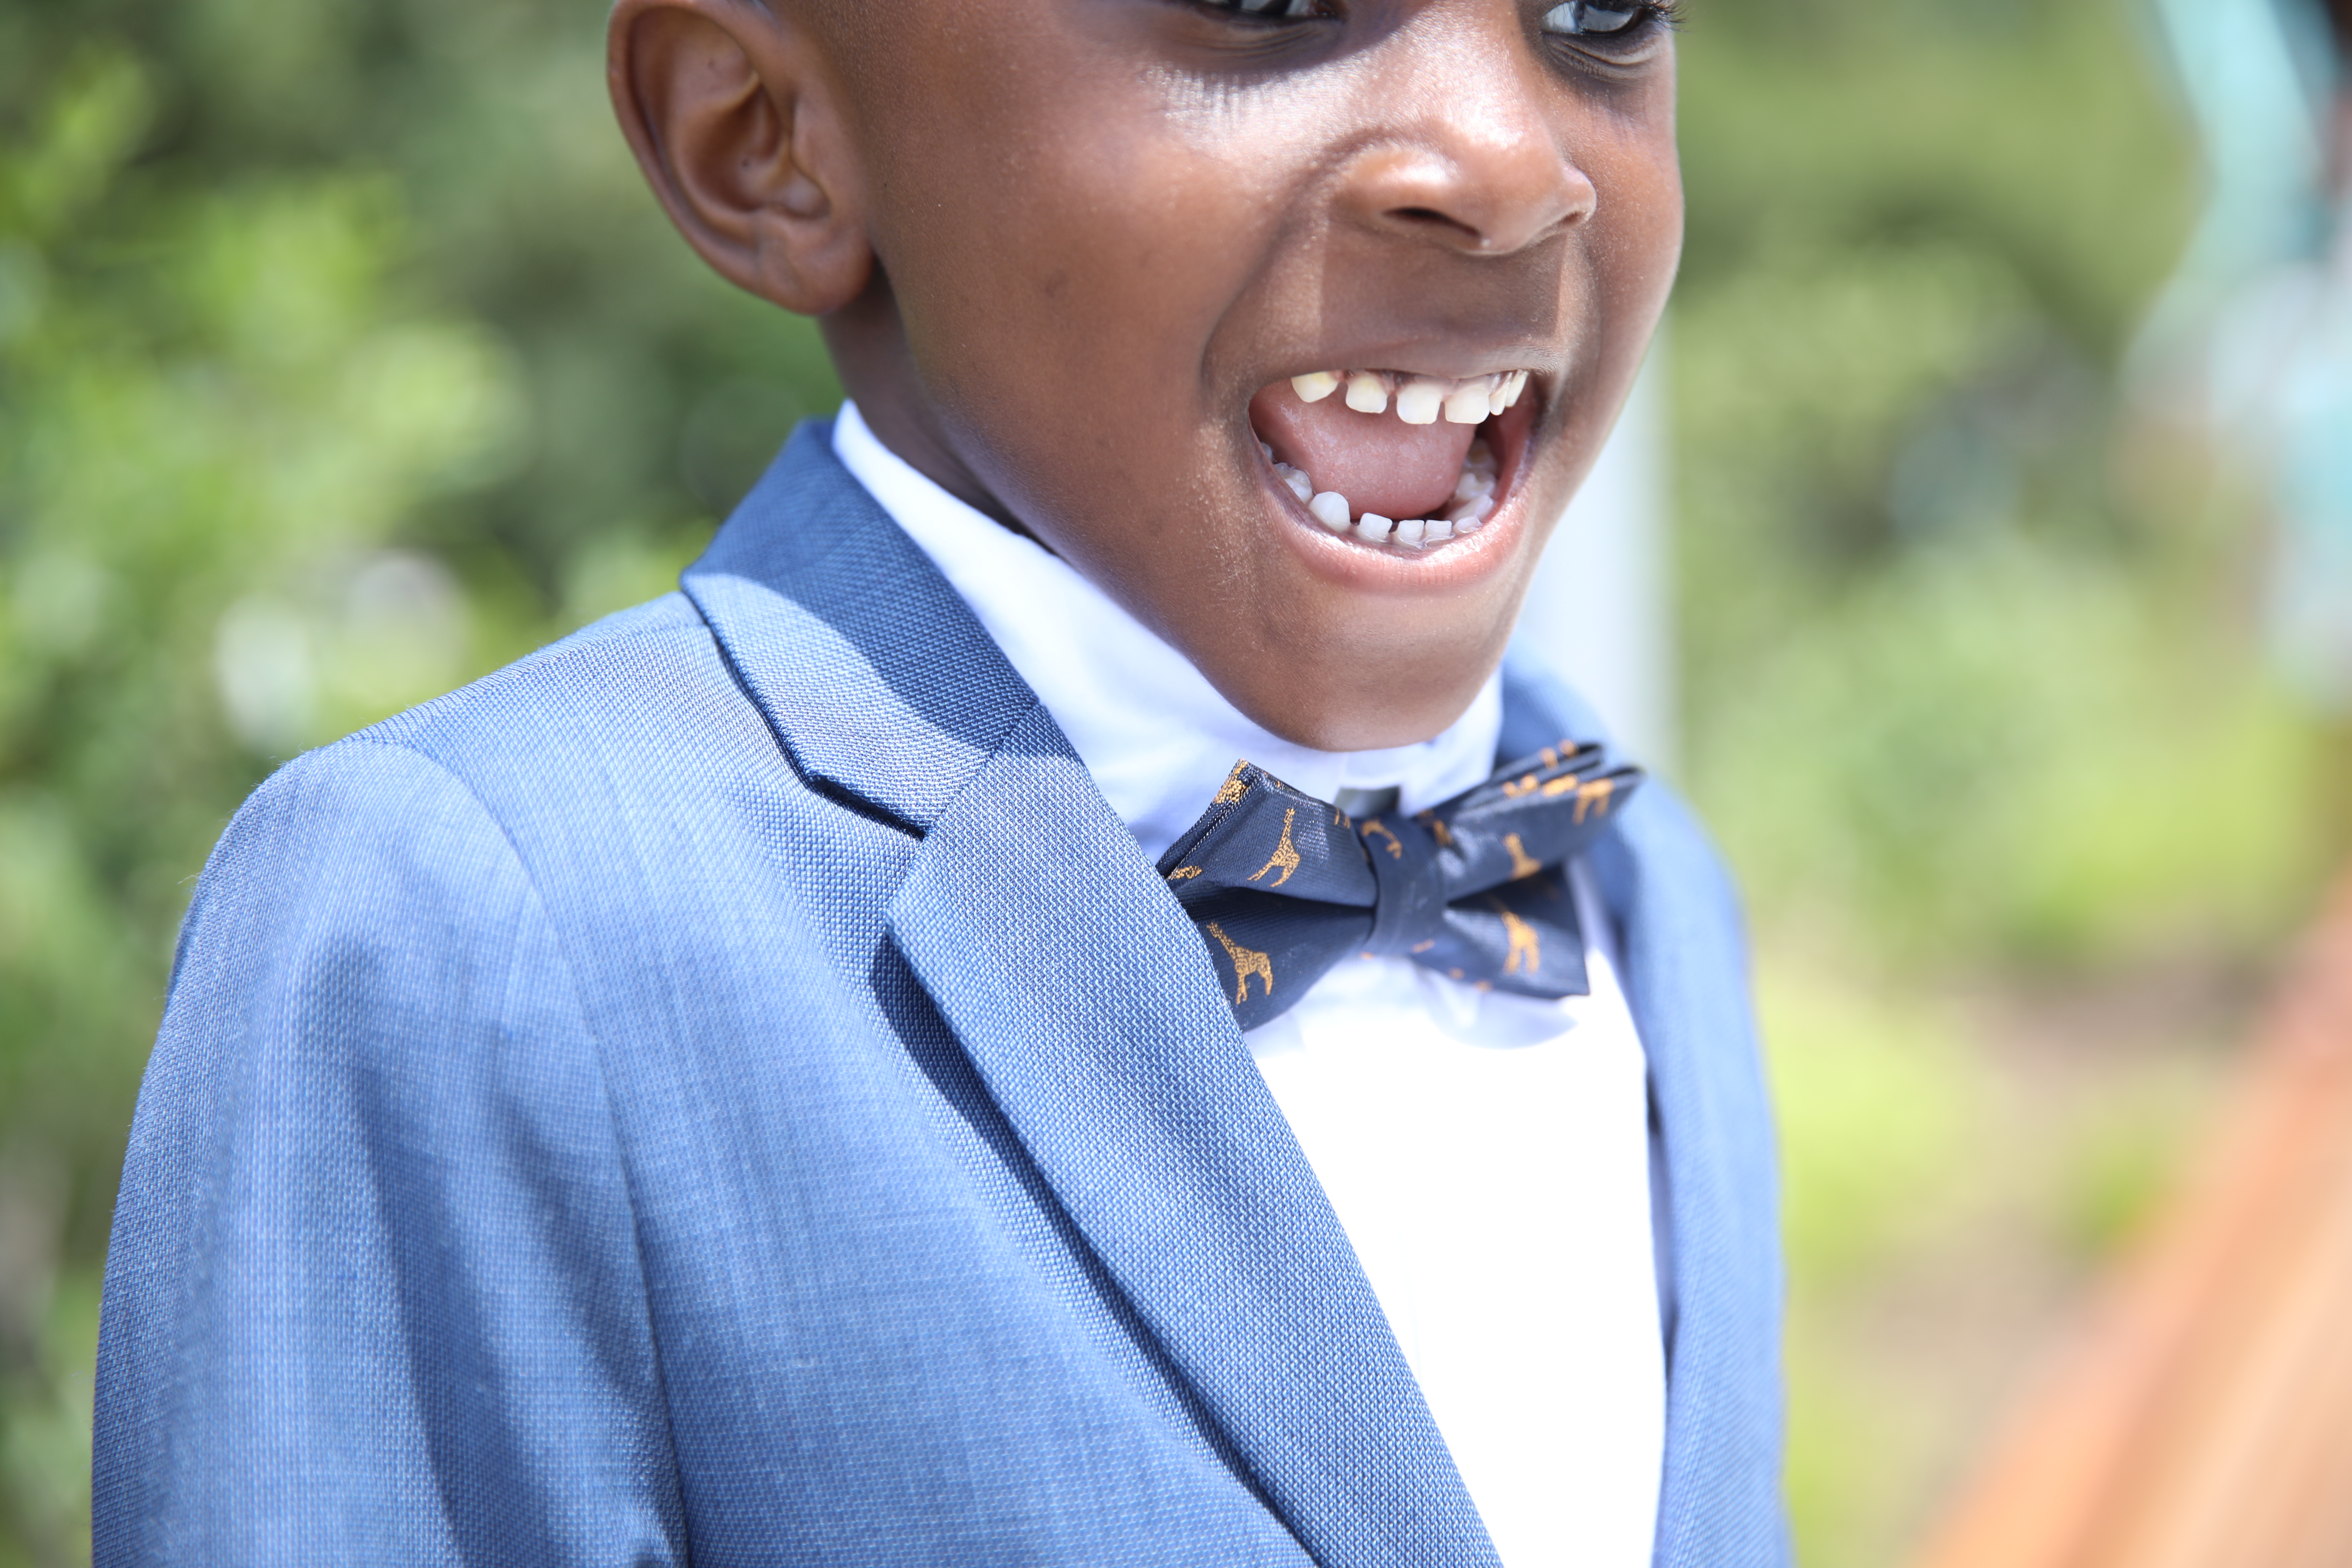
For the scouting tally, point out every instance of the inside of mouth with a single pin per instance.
(1384, 458)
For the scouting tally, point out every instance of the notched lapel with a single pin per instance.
(1086, 1003)
(880, 683)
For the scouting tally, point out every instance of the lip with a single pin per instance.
(1457, 563)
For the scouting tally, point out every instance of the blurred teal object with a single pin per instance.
(2259, 318)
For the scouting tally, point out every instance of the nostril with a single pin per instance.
(1430, 217)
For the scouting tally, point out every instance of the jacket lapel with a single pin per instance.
(1088, 1006)
(1687, 981)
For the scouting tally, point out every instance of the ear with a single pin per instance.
(736, 119)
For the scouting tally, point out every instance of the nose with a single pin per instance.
(1479, 168)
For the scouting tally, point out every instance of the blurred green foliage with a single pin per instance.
(342, 357)
(1879, 1103)
(1970, 691)
(1919, 531)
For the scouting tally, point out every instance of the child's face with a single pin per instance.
(1108, 235)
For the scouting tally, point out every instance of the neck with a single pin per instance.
(868, 343)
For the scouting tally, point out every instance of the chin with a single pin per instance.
(1355, 687)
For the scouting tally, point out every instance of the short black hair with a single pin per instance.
(2340, 23)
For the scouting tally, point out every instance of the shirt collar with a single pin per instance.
(1157, 737)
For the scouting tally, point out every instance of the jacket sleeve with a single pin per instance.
(373, 1293)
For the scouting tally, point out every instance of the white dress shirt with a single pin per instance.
(1487, 1155)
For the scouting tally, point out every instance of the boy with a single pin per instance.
(764, 1081)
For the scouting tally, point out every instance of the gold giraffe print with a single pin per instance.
(1437, 829)
(1183, 873)
(1283, 855)
(1246, 963)
(1522, 863)
(1591, 794)
(1233, 788)
(1395, 846)
(1526, 947)
(1514, 788)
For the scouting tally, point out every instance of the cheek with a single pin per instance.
(1071, 349)
(1638, 177)
(1078, 204)
(1632, 254)
(1620, 280)
(1132, 254)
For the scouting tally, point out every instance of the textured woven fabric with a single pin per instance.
(728, 1089)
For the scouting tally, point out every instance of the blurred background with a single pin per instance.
(343, 357)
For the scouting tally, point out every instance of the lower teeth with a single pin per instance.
(1472, 503)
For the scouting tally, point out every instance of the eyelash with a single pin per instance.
(1643, 15)
(1272, 11)
(1646, 14)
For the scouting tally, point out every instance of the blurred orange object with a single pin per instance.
(2203, 1418)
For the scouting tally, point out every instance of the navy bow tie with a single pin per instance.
(1283, 886)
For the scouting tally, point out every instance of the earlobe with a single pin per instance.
(736, 124)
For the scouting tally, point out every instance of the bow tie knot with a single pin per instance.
(1283, 886)
(1407, 885)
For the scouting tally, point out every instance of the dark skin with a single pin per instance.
(1056, 247)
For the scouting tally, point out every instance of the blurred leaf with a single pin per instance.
(1874, 1102)
(2127, 1160)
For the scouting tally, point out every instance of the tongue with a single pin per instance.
(1377, 460)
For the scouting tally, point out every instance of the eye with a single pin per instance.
(1271, 10)
(1596, 18)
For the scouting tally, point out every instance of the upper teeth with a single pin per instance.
(1419, 399)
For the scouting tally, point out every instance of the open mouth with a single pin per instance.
(1387, 458)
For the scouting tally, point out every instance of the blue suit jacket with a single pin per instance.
(726, 1089)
